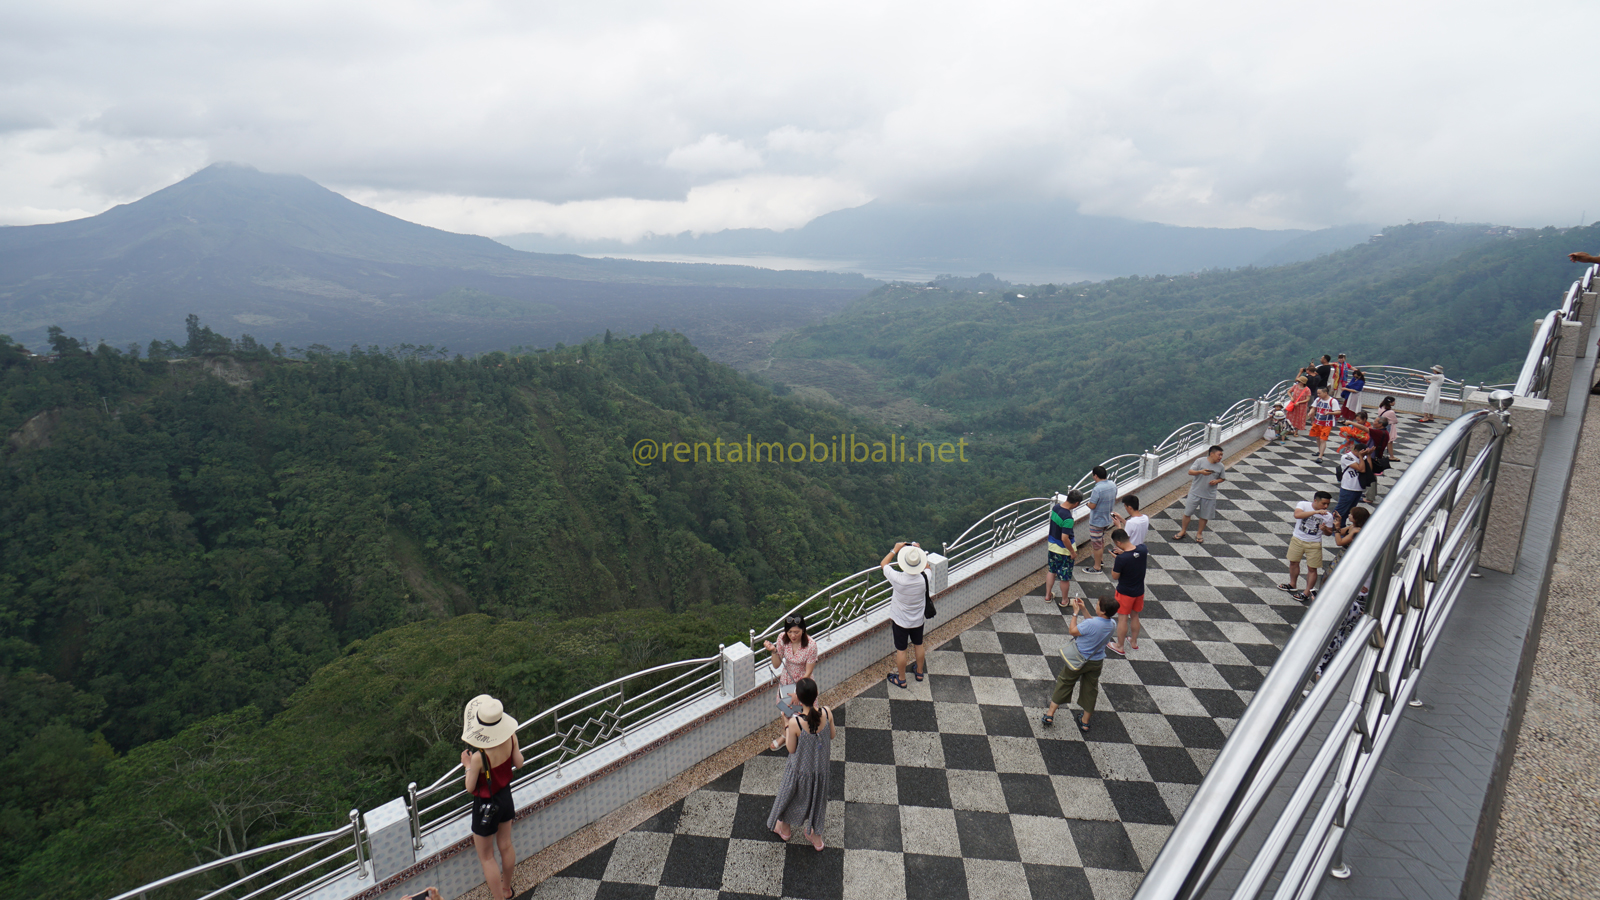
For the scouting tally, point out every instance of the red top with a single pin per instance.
(499, 777)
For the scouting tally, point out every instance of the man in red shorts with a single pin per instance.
(1130, 564)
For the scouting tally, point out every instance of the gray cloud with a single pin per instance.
(619, 118)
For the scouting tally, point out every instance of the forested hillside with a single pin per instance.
(1053, 378)
(188, 540)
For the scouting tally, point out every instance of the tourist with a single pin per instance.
(1131, 520)
(1341, 378)
(1390, 420)
(909, 581)
(1357, 433)
(1351, 464)
(1311, 521)
(1324, 380)
(494, 754)
(1430, 400)
(1352, 393)
(802, 798)
(1358, 606)
(1130, 564)
(1323, 413)
(1202, 501)
(1060, 545)
(1101, 498)
(1299, 404)
(1084, 657)
(795, 657)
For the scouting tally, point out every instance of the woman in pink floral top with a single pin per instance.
(795, 657)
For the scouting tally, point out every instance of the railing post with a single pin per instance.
(1213, 432)
(1514, 461)
(738, 670)
(1590, 302)
(1569, 346)
(355, 832)
(416, 816)
(1263, 409)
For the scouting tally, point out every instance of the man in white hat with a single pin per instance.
(906, 606)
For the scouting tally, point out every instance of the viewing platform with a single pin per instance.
(954, 789)
(1215, 765)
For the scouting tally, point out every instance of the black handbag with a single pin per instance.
(928, 609)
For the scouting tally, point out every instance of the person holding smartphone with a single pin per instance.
(493, 754)
(795, 657)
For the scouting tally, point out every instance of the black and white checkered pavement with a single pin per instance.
(954, 789)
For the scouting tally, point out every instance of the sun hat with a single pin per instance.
(912, 560)
(485, 723)
(1438, 369)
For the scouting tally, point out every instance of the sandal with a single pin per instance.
(1286, 587)
(1112, 645)
(917, 671)
(1082, 725)
(816, 841)
(776, 744)
(1047, 720)
(896, 680)
(1199, 539)
(1178, 537)
(781, 834)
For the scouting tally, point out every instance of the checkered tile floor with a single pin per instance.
(953, 788)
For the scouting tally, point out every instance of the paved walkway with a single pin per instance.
(1549, 837)
(953, 789)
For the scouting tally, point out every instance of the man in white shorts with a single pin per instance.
(1312, 520)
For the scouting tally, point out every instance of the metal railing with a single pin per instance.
(1403, 380)
(287, 882)
(574, 727)
(1534, 381)
(846, 600)
(1415, 553)
(1539, 365)
(1001, 527)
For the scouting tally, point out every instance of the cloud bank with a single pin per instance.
(615, 119)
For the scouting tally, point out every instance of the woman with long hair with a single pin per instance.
(802, 798)
(1299, 404)
(493, 753)
(795, 657)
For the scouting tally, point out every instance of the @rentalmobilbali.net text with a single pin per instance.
(832, 448)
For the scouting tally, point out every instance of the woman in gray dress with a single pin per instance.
(802, 799)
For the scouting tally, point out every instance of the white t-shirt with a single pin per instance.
(1309, 529)
(908, 602)
(1137, 528)
(1351, 480)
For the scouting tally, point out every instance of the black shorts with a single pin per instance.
(902, 635)
(489, 812)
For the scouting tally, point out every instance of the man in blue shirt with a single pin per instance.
(1089, 639)
(1130, 564)
(1102, 497)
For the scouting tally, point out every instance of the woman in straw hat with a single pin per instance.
(491, 736)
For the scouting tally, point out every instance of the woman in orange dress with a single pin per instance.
(1299, 404)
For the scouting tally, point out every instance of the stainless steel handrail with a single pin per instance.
(1534, 379)
(1415, 552)
(315, 842)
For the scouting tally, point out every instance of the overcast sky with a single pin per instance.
(610, 119)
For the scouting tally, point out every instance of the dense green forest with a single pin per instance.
(1052, 379)
(243, 590)
(197, 542)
